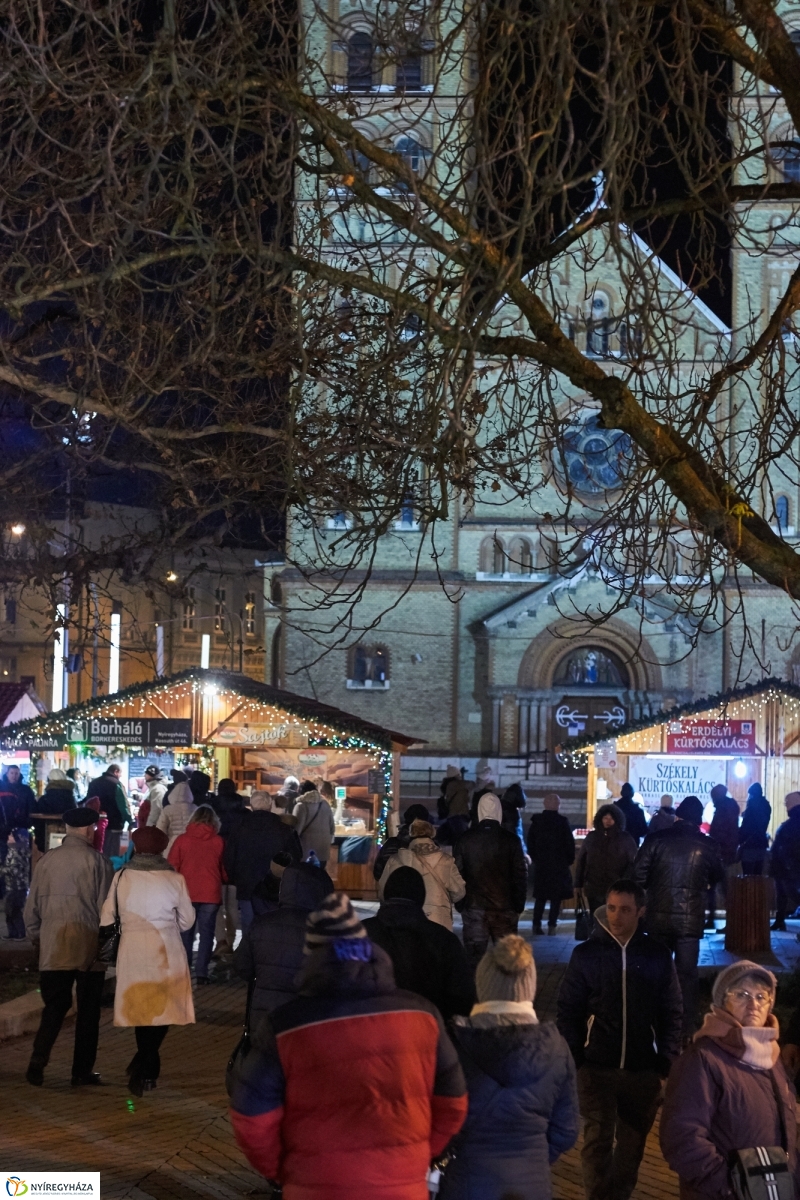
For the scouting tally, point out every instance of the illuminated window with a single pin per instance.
(250, 614)
(590, 667)
(219, 610)
(368, 666)
(189, 609)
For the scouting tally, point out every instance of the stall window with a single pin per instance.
(189, 609)
(368, 666)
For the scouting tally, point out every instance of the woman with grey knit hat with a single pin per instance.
(729, 1091)
(523, 1101)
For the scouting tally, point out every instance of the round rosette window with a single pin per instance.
(596, 460)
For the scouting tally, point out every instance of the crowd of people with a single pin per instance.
(389, 1057)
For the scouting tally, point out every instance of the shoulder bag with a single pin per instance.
(108, 946)
(583, 920)
(763, 1172)
(244, 1044)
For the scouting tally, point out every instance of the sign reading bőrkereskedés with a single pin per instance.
(711, 737)
(130, 731)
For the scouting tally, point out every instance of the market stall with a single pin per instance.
(228, 725)
(737, 738)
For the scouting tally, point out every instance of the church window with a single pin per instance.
(414, 155)
(493, 559)
(520, 557)
(590, 667)
(782, 513)
(360, 51)
(409, 69)
(368, 666)
(597, 459)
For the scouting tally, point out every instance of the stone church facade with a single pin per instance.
(473, 638)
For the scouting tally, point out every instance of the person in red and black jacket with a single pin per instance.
(352, 1087)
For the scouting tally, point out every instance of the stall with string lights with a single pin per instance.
(739, 737)
(228, 725)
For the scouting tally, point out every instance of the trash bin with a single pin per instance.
(748, 906)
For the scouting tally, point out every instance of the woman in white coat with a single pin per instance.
(176, 816)
(444, 886)
(154, 988)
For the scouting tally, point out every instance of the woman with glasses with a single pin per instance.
(729, 1090)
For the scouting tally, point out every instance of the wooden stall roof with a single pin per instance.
(764, 702)
(198, 679)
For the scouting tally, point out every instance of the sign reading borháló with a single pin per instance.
(711, 737)
(130, 731)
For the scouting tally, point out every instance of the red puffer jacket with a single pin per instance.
(351, 1088)
(197, 855)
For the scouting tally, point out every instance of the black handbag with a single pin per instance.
(244, 1044)
(583, 921)
(108, 945)
(762, 1172)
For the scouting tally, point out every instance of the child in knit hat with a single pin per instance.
(523, 1103)
(16, 872)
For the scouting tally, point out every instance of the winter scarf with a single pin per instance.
(491, 1013)
(148, 862)
(756, 1047)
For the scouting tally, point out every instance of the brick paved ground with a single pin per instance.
(176, 1143)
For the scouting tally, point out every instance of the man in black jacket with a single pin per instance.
(677, 867)
(428, 959)
(114, 803)
(635, 820)
(492, 866)
(251, 846)
(271, 951)
(619, 1009)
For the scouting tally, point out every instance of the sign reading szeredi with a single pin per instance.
(260, 733)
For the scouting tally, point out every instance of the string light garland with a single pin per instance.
(749, 702)
(209, 695)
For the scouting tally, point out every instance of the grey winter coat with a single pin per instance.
(315, 825)
(523, 1110)
(62, 911)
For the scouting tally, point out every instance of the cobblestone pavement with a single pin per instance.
(176, 1142)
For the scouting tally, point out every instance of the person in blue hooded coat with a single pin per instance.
(523, 1101)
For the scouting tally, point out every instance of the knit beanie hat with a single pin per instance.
(416, 812)
(733, 975)
(335, 924)
(792, 800)
(421, 829)
(149, 840)
(404, 883)
(58, 776)
(690, 810)
(507, 971)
